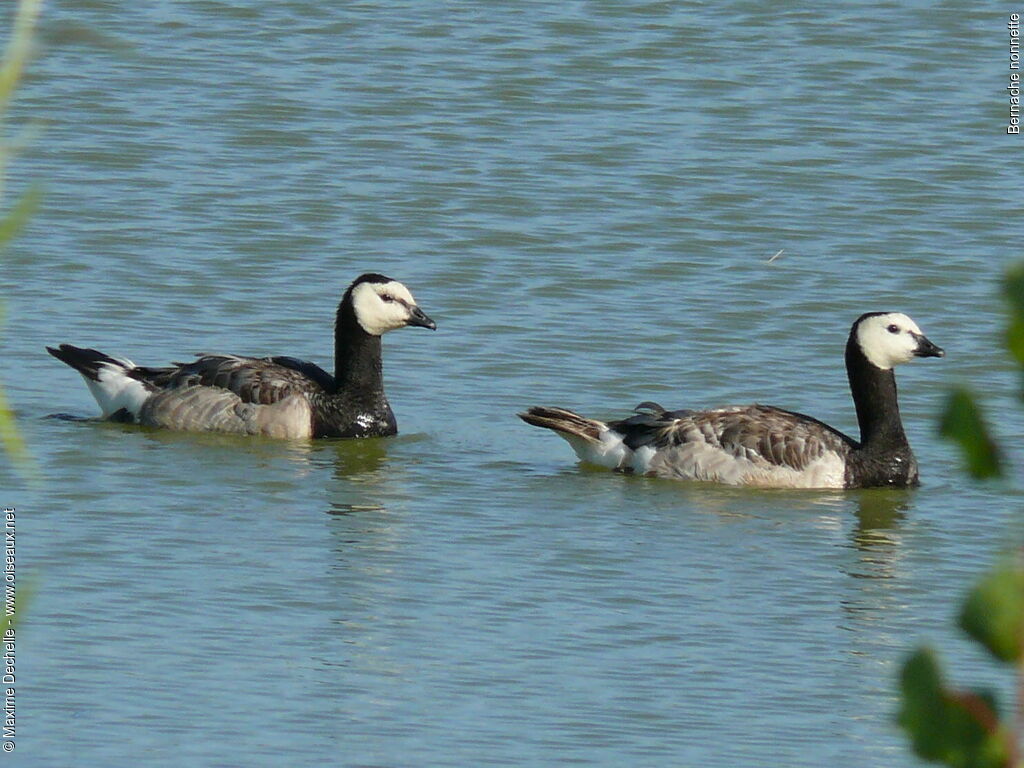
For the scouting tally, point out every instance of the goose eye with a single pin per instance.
(893, 328)
(387, 298)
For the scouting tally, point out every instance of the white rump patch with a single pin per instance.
(641, 459)
(609, 452)
(115, 390)
(382, 307)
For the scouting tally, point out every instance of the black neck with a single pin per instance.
(874, 395)
(357, 362)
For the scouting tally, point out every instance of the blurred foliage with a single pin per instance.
(952, 727)
(993, 613)
(963, 423)
(15, 57)
(21, 599)
(1013, 290)
(961, 728)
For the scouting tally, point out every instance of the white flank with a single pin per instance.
(116, 390)
(700, 461)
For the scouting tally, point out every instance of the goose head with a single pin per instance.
(890, 338)
(381, 304)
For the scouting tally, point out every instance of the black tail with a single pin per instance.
(86, 361)
(566, 422)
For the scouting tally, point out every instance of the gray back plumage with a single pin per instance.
(753, 444)
(256, 380)
(227, 393)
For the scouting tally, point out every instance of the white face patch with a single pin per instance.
(889, 339)
(382, 307)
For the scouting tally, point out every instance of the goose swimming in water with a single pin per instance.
(763, 446)
(272, 396)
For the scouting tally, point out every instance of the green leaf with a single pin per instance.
(15, 56)
(960, 729)
(993, 613)
(18, 49)
(1013, 291)
(10, 438)
(923, 712)
(21, 599)
(963, 423)
(1015, 339)
(12, 223)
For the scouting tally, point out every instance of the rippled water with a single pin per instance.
(585, 197)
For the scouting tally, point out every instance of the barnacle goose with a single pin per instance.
(272, 396)
(763, 446)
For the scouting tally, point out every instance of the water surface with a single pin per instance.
(585, 197)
